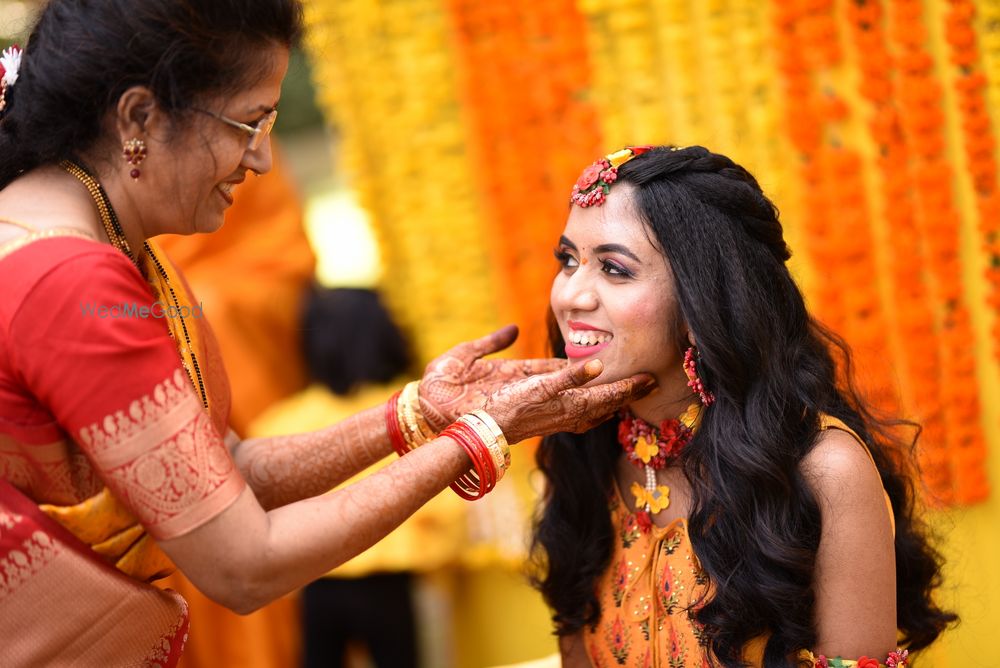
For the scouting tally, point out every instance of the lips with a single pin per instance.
(584, 340)
(226, 189)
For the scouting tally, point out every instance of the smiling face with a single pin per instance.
(192, 172)
(614, 297)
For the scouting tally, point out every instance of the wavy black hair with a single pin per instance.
(82, 55)
(754, 522)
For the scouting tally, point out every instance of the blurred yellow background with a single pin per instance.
(445, 137)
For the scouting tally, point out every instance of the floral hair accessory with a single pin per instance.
(593, 186)
(10, 64)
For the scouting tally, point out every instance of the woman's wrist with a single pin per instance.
(405, 423)
(476, 432)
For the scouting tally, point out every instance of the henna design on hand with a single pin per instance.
(460, 381)
(283, 469)
(556, 402)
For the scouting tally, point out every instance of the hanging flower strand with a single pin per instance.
(10, 65)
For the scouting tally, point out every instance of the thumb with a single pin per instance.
(575, 376)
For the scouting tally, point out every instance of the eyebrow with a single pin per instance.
(264, 109)
(617, 248)
(603, 248)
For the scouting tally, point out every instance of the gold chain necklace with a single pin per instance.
(109, 219)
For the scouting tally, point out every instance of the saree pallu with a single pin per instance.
(45, 571)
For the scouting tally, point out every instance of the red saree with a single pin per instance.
(104, 446)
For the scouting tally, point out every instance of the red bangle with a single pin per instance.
(484, 454)
(392, 426)
(469, 485)
(479, 480)
(465, 486)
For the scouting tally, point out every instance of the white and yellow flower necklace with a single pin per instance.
(654, 448)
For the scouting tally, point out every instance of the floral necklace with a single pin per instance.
(654, 448)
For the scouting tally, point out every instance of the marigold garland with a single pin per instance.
(988, 30)
(839, 236)
(625, 38)
(969, 455)
(918, 365)
(404, 151)
(522, 181)
(938, 222)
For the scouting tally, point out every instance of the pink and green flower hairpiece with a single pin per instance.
(593, 186)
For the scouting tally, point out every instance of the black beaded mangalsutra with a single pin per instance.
(117, 237)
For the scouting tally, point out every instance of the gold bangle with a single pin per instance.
(500, 462)
(412, 431)
(489, 435)
(401, 420)
(494, 428)
(426, 432)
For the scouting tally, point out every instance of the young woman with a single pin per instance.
(751, 509)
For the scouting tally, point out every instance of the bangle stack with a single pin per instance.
(405, 421)
(483, 440)
(478, 434)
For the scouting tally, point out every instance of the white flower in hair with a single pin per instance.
(10, 63)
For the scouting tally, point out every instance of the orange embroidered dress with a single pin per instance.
(105, 445)
(647, 594)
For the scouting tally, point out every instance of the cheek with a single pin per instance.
(645, 325)
(554, 292)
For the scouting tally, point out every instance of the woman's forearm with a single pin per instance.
(246, 558)
(283, 469)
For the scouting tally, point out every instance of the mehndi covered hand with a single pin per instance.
(556, 401)
(460, 381)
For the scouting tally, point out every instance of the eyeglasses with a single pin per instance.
(257, 132)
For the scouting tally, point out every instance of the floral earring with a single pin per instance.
(691, 358)
(134, 152)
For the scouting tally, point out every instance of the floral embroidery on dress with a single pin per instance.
(55, 472)
(667, 590)
(678, 650)
(630, 531)
(620, 583)
(18, 565)
(119, 427)
(618, 640)
(171, 642)
(672, 542)
(165, 460)
(9, 520)
(644, 628)
(700, 635)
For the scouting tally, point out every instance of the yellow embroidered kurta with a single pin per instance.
(647, 593)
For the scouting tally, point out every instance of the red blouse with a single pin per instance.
(93, 392)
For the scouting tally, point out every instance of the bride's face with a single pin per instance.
(614, 297)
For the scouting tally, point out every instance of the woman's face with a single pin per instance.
(614, 297)
(199, 166)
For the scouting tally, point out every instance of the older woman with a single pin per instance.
(122, 121)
